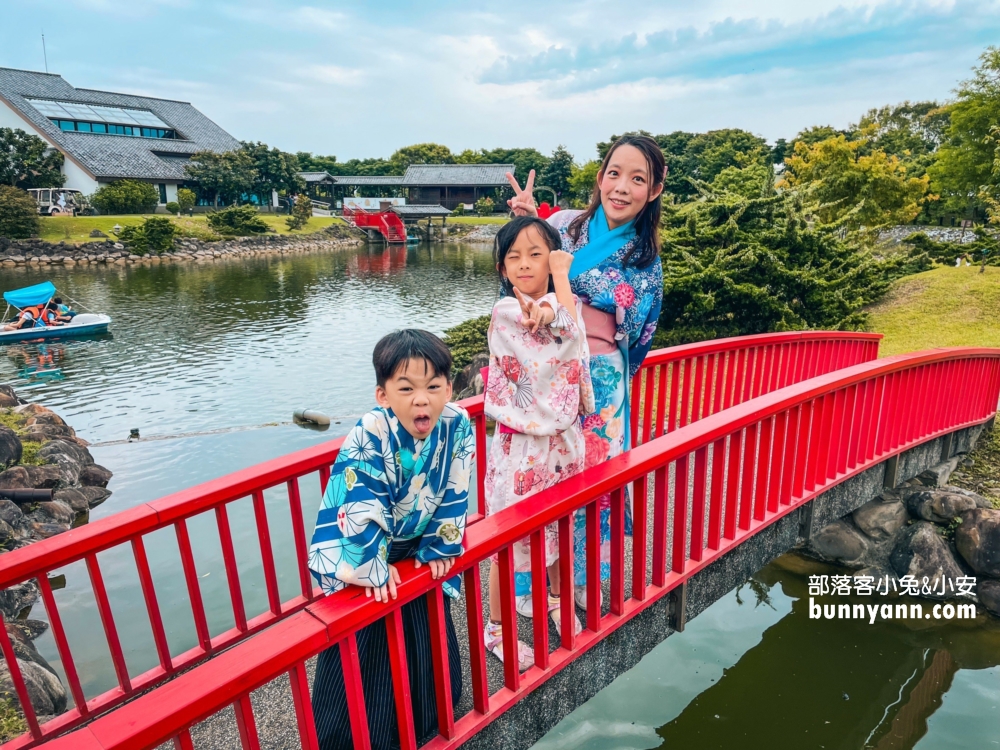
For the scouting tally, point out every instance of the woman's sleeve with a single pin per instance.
(640, 345)
(349, 545)
(446, 530)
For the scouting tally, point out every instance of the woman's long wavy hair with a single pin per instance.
(647, 223)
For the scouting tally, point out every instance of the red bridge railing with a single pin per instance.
(674, 387)
(715, 483)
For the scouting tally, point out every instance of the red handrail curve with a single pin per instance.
(674, 387)
(793, 444)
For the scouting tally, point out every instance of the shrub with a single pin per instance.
(459, 210)
(301, 214)
(484, 206)
(18, 213)
(466, 340)
(155, 235)
(126, 197)
(174, 207)
(186, 199)
(237, 221)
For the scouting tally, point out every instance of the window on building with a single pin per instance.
(163, 192)
(95, 118)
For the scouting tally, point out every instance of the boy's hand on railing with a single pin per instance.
(382, 593)
(439, 568)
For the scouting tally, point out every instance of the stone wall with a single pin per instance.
(895, 235)
(41, 253)
(58, 461)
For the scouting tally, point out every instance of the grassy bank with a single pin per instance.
(944, 307)
(78, 228)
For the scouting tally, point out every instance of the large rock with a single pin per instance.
(469, 380)
(54, 449)
(45, 529)
(50, 418)
(95, 495)
(881, 518)
(15, 599)
(978, 541)
(45, 691)
(922, 553)
(73, 497)
(10, 446)
(54, 511)
(939, 505)
(989, 595)
(14, 478)
(9, 512)
(44, 477)
(938, 475)
(839, 542)
(7, 397)
(95, 475)
(41, 433)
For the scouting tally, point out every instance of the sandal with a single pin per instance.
(493, 638)
(555, 612)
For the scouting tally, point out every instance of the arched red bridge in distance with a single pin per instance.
(734, 435)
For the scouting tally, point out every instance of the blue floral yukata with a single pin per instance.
(633, 296)
(390, 497)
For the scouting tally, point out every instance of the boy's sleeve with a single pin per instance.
(446, 530)
(349, 545)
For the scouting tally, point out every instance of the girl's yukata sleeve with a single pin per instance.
(351, 542)
(446, 529)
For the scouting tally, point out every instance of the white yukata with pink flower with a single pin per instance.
(538, 386)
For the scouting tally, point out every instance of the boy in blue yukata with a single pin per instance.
(399, 488)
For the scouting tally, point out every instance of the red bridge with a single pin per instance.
(730, 436)
(387, 223)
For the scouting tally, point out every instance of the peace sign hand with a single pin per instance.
(523, 202)
(533, 314)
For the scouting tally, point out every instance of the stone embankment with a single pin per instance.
(895, 235)
(36, 252)
(925, 529)
(38, 450)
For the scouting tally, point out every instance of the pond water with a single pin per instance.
(221, 353)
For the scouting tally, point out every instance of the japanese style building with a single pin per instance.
(425, 184)
(106, 136)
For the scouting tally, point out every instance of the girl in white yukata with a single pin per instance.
(537, 387)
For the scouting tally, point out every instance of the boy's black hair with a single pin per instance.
(58, 300)
(394, 349)
(508, 234)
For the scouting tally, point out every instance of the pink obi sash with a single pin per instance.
(504, 429)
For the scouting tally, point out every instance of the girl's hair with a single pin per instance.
(647, 222)
(509, 233)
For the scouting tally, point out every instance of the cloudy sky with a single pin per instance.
(357, 80)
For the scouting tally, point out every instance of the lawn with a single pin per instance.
(78, 228)
(947, 306)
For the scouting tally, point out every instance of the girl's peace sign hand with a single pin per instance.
(533, 314)
(523, 202)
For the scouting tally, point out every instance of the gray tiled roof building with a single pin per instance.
(178, 130)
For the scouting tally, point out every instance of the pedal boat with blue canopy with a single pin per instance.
(82, 324)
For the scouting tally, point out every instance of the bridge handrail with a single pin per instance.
(773, 454)
(674, 387)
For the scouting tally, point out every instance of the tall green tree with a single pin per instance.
(583, 181)
(734, 266)
(852, 187)
(420, 153)
(222, 177)
(274, 170)
(964, 161)
(26, 161)
(558, 173)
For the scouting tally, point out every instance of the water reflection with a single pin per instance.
(200, 346)
(755, 671)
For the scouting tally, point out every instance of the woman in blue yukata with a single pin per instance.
(399, 488)
(616, 273)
